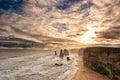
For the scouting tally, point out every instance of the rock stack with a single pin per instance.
(55, 53)
(61, 54)
(66, 53)
(68, 58)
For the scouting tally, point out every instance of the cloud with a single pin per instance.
(65, 4)
(111, 33)
(109, 27)
(76, 22)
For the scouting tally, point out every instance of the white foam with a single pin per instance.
(37, 64)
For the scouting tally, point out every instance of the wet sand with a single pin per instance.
(84, 73)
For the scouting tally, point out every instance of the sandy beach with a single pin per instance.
(84, 73)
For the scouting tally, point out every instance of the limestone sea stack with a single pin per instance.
(55, 53)
(61, 55)
(66, 52)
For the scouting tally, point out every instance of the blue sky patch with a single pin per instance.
(66, 4)
(11, 5)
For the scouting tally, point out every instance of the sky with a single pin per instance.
(62, 23)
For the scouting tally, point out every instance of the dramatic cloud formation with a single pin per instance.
(62, 23)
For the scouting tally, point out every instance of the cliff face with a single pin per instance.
(104, 60)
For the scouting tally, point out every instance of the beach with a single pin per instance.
(84, 73)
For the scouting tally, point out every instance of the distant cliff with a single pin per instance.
(105, 60)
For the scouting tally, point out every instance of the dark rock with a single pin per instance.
(68, 58)
(61, 54)
(66, 53)
(56, 64)
(104, 60)
(55, 53)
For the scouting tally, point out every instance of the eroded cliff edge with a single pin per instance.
(104, 60)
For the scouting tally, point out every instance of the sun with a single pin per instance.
(87, 37)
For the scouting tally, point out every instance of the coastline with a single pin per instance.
(84, 73)
(74, 68)
(76, 75)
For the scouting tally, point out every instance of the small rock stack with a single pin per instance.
(55, 53)
(66, 53)
(61, 54)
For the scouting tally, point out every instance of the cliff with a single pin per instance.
(104, 60)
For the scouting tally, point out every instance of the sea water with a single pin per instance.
(35, 65)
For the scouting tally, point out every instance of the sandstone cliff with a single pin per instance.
(104, 60)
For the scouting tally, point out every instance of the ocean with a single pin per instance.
(22, 64)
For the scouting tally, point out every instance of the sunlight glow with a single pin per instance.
(90, 34)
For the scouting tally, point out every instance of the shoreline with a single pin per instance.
(84, 73)
(74, 70)
(75, 76)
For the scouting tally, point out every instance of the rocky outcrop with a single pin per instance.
(55, 53)
(104, 60)
(66, 52)
(61, 55)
